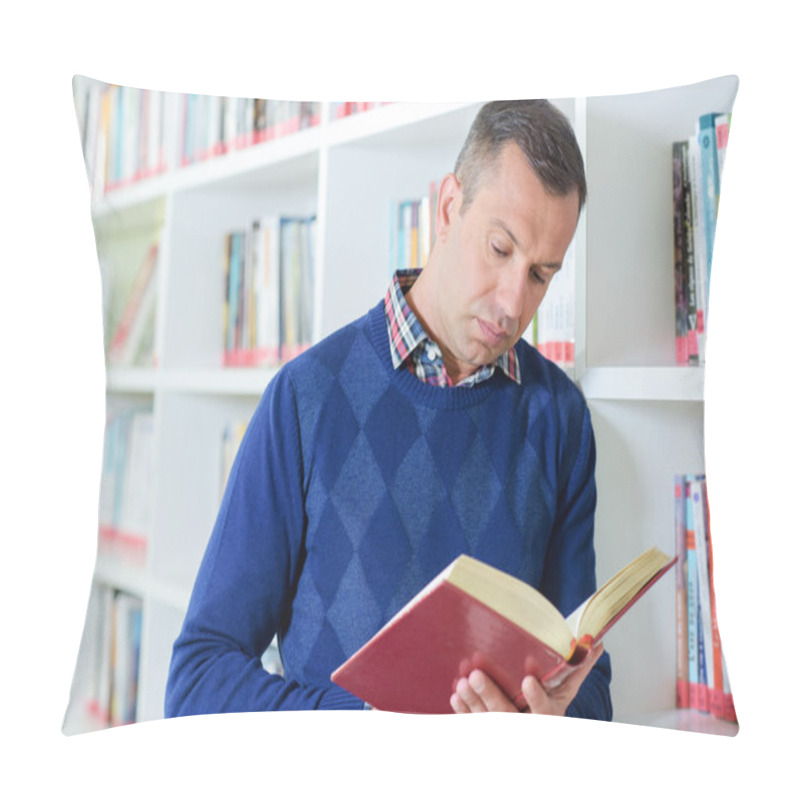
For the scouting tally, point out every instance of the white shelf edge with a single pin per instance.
(683, 384)
(684, 720)
(131, 379)
(248, 381)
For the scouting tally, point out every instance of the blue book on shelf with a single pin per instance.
(707, 139)
(233, 288)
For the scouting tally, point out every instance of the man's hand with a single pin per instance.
(477, 692)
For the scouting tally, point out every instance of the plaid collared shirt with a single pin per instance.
(411, 346)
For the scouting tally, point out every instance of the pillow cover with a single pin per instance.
(232, 233)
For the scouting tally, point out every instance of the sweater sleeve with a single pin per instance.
(244, 584)
(569, 575)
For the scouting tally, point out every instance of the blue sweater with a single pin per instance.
(354, 486)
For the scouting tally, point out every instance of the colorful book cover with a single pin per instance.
(679, 232)
(681, 621)
(709, 182)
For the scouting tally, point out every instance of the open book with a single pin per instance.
(473, 616)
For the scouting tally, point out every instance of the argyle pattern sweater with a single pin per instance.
(355, 485)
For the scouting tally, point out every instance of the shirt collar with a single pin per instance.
(406, 333)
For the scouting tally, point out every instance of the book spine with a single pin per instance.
(710, 182)
(696, 489)
(692, 616)
(694, 313)
(679, 228)
(681, 622)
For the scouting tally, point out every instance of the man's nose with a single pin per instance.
(511, 294)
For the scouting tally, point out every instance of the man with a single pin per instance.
(422, 430)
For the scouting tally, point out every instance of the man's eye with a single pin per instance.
(536, 277)
(499, 250)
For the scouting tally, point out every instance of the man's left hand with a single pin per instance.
(478, 692)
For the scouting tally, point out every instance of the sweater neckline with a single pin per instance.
(443, 397)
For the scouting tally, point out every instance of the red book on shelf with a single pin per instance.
(130, 330)
(475, 616)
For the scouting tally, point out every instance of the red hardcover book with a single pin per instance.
(475, 616)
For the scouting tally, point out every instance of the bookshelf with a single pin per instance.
(648, 413)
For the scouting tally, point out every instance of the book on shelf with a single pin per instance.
(131, 341)
(212, 126)
(297, 257)
(702, 675)
(122, 133)
(126, 485)
(412, 227)
(696, 169)
(553, 326)
(681, 610)
(473, 615)
(125, 650)
(268, 270)
(112, 647)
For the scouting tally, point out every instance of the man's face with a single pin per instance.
(497, 260)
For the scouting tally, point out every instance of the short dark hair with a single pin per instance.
(543, 134)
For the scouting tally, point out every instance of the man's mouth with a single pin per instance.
(494, 336)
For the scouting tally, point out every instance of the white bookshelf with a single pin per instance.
(648, 414)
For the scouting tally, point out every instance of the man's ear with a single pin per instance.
(448, 204)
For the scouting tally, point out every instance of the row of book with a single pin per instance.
(412, 230)
(212, 126)
(269, 269)
(122, 133)
(701, 677)
(109, 661)
(696, 171)
(126, 485)
(124, 129)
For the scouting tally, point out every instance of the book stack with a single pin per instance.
(212, 126)
(412, 230)
(111, 647)
(122, 133)
(553, 333)
(126, 486)
(268, 290)
(702, 677)
(696, 169)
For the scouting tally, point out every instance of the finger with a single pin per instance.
(469, 697)
(457, 704)
(556, 700)
(536, 696)
(492, 697)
